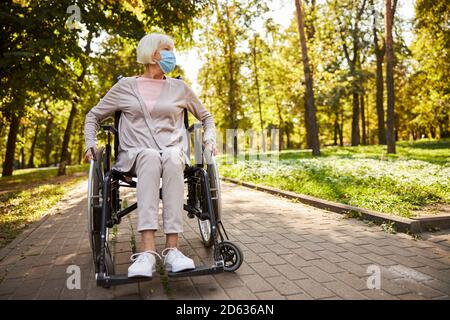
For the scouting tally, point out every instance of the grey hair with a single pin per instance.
(149, 44)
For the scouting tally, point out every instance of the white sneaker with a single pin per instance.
(144, 264)
(176, 261)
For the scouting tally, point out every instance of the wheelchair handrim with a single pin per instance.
(90, 203)
(215, 183)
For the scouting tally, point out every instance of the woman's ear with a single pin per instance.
(156, 56)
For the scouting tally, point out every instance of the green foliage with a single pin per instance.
(50, 70)
(398, 184)
(27, 195)
(389, 227)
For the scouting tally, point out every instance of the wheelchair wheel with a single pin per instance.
(232, 256)
(94, 212)
(214, 186)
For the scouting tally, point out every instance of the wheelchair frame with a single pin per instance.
(105, 182)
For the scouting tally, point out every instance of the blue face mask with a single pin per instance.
(168, 61)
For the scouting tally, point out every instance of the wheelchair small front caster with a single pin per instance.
(232, 256)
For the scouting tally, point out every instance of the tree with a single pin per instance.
(353, 14)
(427, 86)
(311, 124)
(390, 135)
(379, 55)
(31, 58)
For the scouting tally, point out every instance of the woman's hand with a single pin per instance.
(88, 155)
(214, 150)
(212, 147)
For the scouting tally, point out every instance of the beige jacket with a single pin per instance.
(139, 129)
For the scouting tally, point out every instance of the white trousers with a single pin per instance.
(151, 165)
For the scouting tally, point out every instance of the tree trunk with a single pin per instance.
(22, 149)
(66, 140)
(258, 94)
(390, 134)
(8, 164)
(281, 126)
(80, 150)
(33, 145)
(379, 100)
(379, 55)
(336, 130)
(443, 125)
(356, 140)
(48, 144)
(311, 128)
(367, 111)
(432, 132)
(288, 137)
(363, 119)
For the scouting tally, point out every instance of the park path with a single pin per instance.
(292, 251)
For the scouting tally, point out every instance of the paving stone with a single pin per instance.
(240, 293)
(9, 286)
(378, 294)
(50, 289)
(264, 269)
(283, 285)
(314, 289)
(330, 256)
(326, 266)
(228, 280)
(291, 251)
(272, 259)
(419, 289)
(344, 291)
(295, 260)
(299, 296)
(378, 259)
(306, 254)
(317, 274)
(256, 283)
(291, 272)
(270, 295)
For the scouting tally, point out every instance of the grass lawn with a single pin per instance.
(364, 176)
(28, 194)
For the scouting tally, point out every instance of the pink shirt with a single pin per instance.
(150, 89)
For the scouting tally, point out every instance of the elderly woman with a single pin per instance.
(151, 146)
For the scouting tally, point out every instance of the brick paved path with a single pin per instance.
(292, 251)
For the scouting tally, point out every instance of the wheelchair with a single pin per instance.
(104, 209)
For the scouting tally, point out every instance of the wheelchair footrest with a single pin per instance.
(118, 279)
(199, 271)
